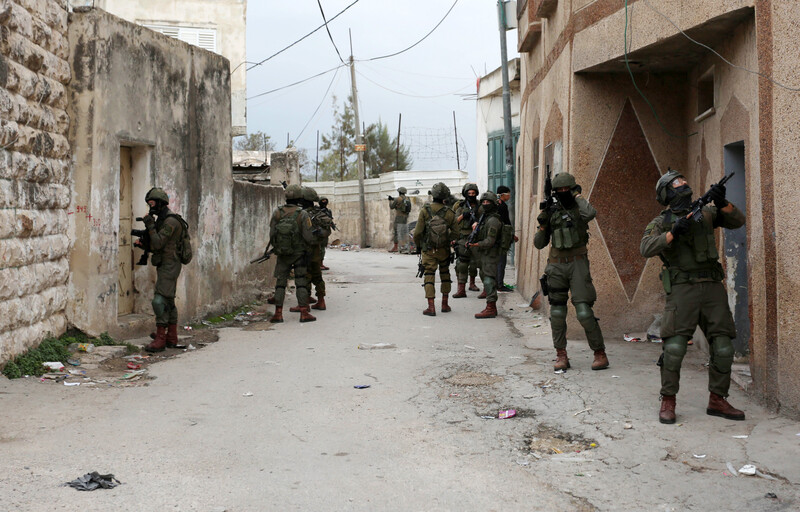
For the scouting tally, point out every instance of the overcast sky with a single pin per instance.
(444, 68)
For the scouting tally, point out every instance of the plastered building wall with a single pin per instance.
(227, 17)
(167, 104)
(576, 90)
(34, 173)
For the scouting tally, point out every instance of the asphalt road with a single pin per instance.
(270, 420)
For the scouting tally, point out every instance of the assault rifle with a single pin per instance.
(471, 239)
(264, 257)
(698, 204)
(143, 242)
(550, 200)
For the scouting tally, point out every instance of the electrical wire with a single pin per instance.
(295, 83)
(406, 72)
(329, 31)
(406, 94)
(302, 38)
(635, 86)
(324, 97)
(415, 44)
(762, 75)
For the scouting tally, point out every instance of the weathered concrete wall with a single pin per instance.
(34, 172)
(343, 199)
(227, 17)
(616, 148)
(178, 135)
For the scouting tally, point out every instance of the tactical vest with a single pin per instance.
(288, 237)
(465, 226)
(483, 230)
(568, 229)
(692, 256)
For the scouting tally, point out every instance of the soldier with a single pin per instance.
(503, 196)
(433, 236)
(323, 205)
(401, 206)
(290, 237)
(165, 236)
(466, 216)
(565, 226)
(487, 244)
(321, 230)
(692, 278)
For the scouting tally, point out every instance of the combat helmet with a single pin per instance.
(309, 194)
(402, 191)
(663, 185)
(489, 196)
(469, 186)
(157, 194)
(293, 192)
(563, 179)
(440, 191)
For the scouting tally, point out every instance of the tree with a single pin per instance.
(382, 155)
(339, 163)
(254, 142)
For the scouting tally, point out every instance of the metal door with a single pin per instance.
(125, 286)
(736, 248)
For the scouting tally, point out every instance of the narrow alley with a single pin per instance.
(270, 419)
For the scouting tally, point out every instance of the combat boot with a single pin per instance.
(394, 248)
(295, 309)
(472, 286)
(718, 406)
(160, 341)
(305, 316)
(667, 412)
(600, 360)
(172, 335)
(277, 317)
(271, 299)
(490, 311)
(461, 292)
(320, 304)
(312, 300)
(483, 294)
(445, 305)
(323, 267)
(431, 311)
(562, 361)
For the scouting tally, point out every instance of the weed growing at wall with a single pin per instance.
(55, 349)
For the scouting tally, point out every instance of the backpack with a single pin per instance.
(436, 229)
(507, 237)
(406, 206)
(185, 244)
(322, 223)
(288, 239)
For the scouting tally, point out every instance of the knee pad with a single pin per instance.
(558, 314)
(584, 312)
(674, 350)
(722, 351)
(159, 305)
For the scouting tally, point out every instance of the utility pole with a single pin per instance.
(501, 12)
(397, 151)
(360, 154)
(316, 161)
(455, 130)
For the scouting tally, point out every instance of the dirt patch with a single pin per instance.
(548, 440)
(202, 337)
(473, 379)
(258, 326)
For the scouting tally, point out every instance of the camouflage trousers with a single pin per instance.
(431, 260)
(467, 262)
(165, 310)
(283, 266)
(314, 274)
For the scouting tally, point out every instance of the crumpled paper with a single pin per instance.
(92, 481)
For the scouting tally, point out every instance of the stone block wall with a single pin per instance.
(34, 172)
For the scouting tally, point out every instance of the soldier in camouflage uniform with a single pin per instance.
(291, 243)
(692, 278)
(433, 236)
(467, 215)
(323, 206)
(165, 234)
(320, 229)
(565, 227)
(487, 245)
(401, 206)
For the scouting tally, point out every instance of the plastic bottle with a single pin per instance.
(81, 347)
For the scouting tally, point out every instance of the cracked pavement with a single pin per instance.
(416, 439)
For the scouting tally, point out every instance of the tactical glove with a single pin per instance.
(149, 221)
(717, 194)
(543, 218)
(681, 227)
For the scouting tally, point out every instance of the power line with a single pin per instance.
(302, 38)
(415, 44)
(295, 83)
(329, 31)
(762, 75)
(409, 95)
(324, 96)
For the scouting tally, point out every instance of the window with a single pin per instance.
(205, 38)
(705, 96)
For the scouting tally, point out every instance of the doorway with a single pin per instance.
(735, 247)
(125, 298)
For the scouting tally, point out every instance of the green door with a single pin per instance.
(497, 169)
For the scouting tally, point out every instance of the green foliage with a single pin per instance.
(55, 349)
(382, 155)
(254, 142)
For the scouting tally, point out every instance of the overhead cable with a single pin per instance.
(295, 83)
(324, 97)
(410, 95)
(302, 38)
(329, 31)
(415, 44)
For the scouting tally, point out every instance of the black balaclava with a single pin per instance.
(472, 199)
(323, 203)
(297, 201)
(680, 199)
(489, 207)
(566, 199)
(158, 209)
